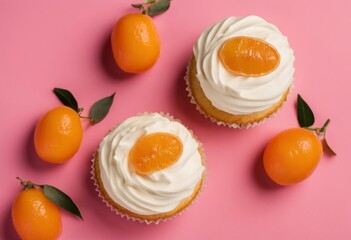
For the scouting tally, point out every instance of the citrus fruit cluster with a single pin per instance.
(57, 137)
(290, 157)
(59, 132)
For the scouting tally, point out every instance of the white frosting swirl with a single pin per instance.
(238, 94)
(161, 191)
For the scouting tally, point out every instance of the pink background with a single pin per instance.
(46, 44)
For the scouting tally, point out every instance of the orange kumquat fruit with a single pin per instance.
(154, 152)
(135, 43)
(35, 217)
(247, 56)
(58, 135)
(292, 156)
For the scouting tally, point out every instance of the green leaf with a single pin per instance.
(100, 109)
(159, 7)
(66, 98)
(61, 199)
(305, 115)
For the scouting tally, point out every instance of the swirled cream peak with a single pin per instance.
(239, 94)
(155, 193)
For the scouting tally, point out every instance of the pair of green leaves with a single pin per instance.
(306, 120)
(153, 7)
(56, 196)
(97, 112)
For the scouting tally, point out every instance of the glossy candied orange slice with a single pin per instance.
(248, 56)
(154, 152)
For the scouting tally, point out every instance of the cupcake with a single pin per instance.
(149, 168)
(241, 71)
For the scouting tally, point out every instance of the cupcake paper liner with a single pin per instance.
(135, 219)
(230, 125)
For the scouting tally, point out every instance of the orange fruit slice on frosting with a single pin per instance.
(248, 56)
(154, 152)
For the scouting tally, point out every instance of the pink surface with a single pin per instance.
(46, 44)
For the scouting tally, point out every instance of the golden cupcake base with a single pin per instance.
(218, 116)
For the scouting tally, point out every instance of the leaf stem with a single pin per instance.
(27, 184)
(320, 131)
(312, 129)
(85, 117)
(325, 125)
(144, 9)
